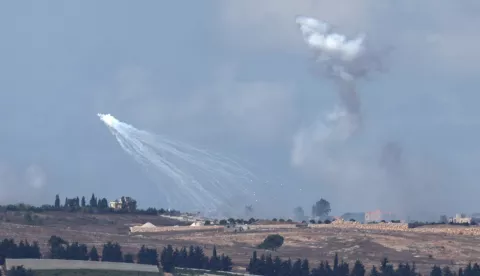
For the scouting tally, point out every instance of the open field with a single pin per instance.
(422, 245)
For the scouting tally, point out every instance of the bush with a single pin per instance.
(272, 242)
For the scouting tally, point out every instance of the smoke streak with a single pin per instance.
(200, 179)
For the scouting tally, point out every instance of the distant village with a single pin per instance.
(361, 217)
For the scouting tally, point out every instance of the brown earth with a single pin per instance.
(321, 243)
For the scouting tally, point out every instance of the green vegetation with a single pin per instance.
(275, 266)
(272, 242)
(170, 258)
(94, 205)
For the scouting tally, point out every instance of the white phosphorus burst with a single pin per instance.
(108, 119)
(199, 178)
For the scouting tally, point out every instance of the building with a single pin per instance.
(116, 204)
(378, 216)
(460, 219)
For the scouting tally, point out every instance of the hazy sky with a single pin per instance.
(237, 77)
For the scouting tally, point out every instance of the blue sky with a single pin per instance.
(236, 76)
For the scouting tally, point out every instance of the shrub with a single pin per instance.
(272, 242)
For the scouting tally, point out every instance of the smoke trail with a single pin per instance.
(200, 179)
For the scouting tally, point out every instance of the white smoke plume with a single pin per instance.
(345, 61)
(197, 179)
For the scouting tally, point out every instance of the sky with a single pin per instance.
(236, 77)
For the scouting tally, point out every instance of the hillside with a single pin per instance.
(424, 247)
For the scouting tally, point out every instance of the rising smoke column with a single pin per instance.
(199, 179)
(342, 59)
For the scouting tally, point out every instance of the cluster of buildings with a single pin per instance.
(378, 216)
(117, 204)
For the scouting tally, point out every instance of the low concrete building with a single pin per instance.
(460, 219)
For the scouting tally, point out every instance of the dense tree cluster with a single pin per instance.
(194, 257)
(22, 250)
(269, 266)
(170, 258)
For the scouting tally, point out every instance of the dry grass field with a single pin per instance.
(370, 246)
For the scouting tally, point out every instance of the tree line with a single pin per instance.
(93, 205)
(275, 266)
(193, 257)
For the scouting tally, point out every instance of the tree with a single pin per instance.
(214, 262)
(446, 271)
(147, 256)
(374, 271)
(358, 269)
(298, 213)
(386, 268)
(272, 242)
(436, 271)
(57, 202)
(128, 258)
(83, 202)
(58, 247)
(93, 254)
(93, 201)
(297, 268)
(255, 265)
(305, 268)
(76, 251)
(167, 259)
(321, 208)
(112, 252)
(226, 262)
